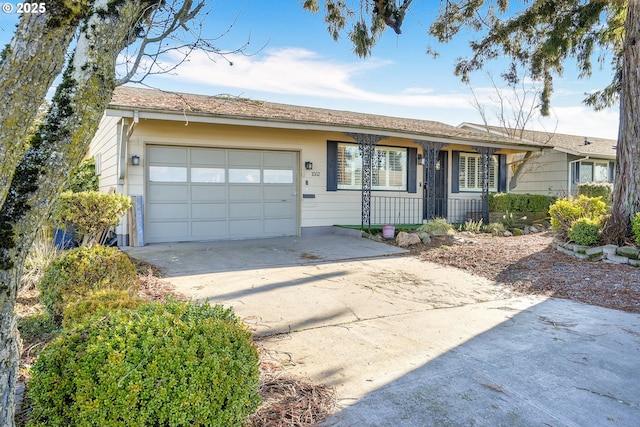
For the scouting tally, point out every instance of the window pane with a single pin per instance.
(601, 172)
(586, 172)
(167, 174)
(244, 176)
(207, 175)
(274, 176)
(388, 168)
(470, 176)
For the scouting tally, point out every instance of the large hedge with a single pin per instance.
(173, 364)
(511, 202)
(81, 272)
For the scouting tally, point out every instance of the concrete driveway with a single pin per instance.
(409, 343)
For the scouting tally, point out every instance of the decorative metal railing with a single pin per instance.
(394, 210)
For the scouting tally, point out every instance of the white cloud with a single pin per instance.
(303, 73)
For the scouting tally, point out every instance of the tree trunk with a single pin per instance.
(30, 63)
(626, 189)
(61, 143)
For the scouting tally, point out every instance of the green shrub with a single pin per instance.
(83, 178)
(603, 190)
(585, 231)
(565, 211)
(91, 212)
(436, 227)
(173, 364)
(635, 227)
(98, 303)
(512, 202)
(83, 271)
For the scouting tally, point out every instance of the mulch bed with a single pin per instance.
(532, 265)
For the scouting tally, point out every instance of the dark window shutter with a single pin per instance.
(455, 171)
(332, 166)
(502, 173)
(576, 170)
(412, 169)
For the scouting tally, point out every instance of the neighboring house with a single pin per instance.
(565, 161)
(213, 168)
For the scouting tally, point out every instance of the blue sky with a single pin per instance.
(292, 59)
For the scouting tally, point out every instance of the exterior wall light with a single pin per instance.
(135, 160)
(308, 165)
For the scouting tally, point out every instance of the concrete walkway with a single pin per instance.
(409, 343)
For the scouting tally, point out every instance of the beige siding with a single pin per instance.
(546, 174)
(326, 209)
(105, 147)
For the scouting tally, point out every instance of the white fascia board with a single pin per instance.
(281, 124)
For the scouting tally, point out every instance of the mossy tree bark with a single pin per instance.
(57, 148)
(29, 64)
(626, 188)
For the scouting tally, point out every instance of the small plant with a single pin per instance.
(436, 227)
(173, 364)
(90, 212)
(635, 227)
(511, 222)
(41, 254)
(495, 228)
(585, 231)
(473, 226)
(83, 271)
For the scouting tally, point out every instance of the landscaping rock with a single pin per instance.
(628, 251)
(534, 229)
(507, 233)
(405, 239)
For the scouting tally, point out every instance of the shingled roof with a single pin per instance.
(581, 145)
(152, 100)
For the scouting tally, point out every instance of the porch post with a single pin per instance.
(485, 164)
(430, 151)
(366, 145)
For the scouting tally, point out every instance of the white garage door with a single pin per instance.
(215, 194)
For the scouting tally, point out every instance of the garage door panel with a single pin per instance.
(167, 231)
(244, 158)
(209, 229)
(279, 192)
(208, 157)
(278, 227)
(167, 155)
(245, 192)
(246, 228)
(165, 211)
(208, 193)
(209, 211)
(168, 193)
(276, 159)
(245, 210)
(279, 209)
